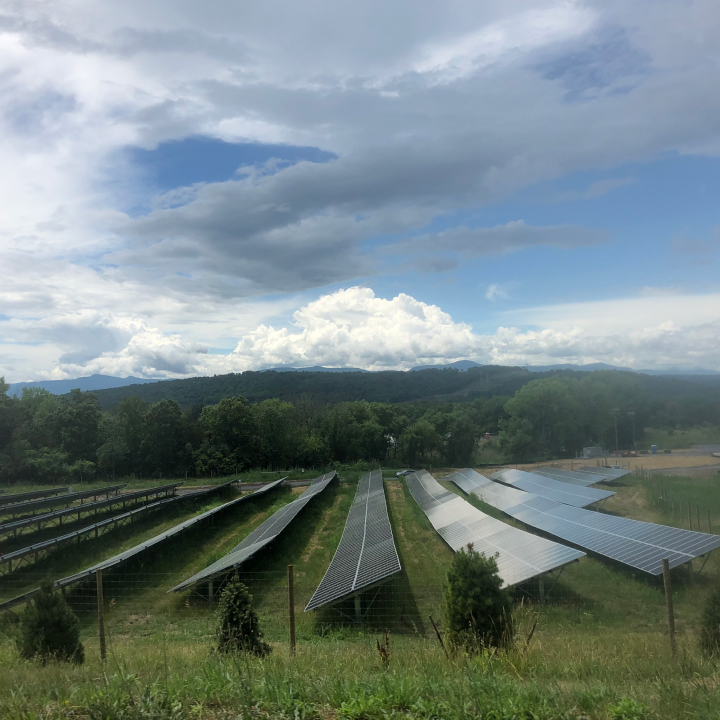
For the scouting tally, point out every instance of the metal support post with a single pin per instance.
(541, 588)
(291, 604)
(101, 613)
(669, 604)
(210, 590)
(358, 608)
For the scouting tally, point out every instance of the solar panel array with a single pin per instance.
(638, 544)
(31, 506)
(142, 547)
(260, 537)
(573, 477)
(366, 554)
(38, 522)
(609, 472)
(519, 555)
(32, 495)
(552, 489)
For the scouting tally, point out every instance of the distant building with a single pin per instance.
(592, 452)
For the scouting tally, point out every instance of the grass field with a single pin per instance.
(600, 648)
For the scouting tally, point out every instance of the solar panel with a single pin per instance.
(551, 489)
(260, 537)
(38, 522)
(32, 505)
(519, 555)
(32, 495)
(574, 477)
(610, 472)
(366, 554)
(638, 544)
(142, 547)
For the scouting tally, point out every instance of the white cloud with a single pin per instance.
(354, 328)
(495, 292)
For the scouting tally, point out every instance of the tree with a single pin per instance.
(113, 453)
(239, 629)
(49, 629)
(543, 418)
(478, 610)
(710, 625)
(78, 424)
(164, 446)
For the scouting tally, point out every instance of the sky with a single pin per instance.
(201, 188)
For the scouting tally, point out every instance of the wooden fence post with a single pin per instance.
(101, 613)
(291, 603)
(669, 604)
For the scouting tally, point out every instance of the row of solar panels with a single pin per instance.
(640, 545)
(152, 542)
(38, 522)
(519, 555)
(32, 495)
(30, 507)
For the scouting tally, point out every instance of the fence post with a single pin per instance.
(291, 603)
(101, 615)
(669, 604)
(709, 523)
(690, 515)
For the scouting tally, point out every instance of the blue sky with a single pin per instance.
(197, 192)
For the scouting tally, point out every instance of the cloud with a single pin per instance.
(495, 292)
(603, 187)
(355, 328)
(501, 239)
(682, 245)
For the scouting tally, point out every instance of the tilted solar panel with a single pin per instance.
(551, 489)
(43, 520)
(142, 547)
(609, 472)
(32, 505)
(260, 537)
(366, 553)
(519, 555)
(640, 545)
(573, 477)
(32, 495)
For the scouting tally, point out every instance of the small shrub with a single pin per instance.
(239, 629)
(710, 625)
(478, 611)
(628, 709)
(49, 629)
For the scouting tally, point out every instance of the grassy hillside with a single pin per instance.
(600, 638)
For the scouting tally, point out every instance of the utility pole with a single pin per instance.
(615, 412)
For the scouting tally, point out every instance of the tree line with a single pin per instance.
(49, 438)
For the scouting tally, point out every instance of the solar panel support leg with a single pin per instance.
(291, 606)
(210, 590)
(669, 604)
(101, 613)
(358, 609)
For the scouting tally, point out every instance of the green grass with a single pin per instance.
(680, 439)
(600, 638)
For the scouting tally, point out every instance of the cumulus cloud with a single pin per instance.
(355, 328)
(426, 108)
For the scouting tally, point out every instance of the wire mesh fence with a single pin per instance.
(138, 608)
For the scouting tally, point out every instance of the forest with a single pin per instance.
(49, 438)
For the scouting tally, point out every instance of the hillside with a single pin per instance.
(324, 387)
(388, 386)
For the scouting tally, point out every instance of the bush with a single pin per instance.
(239, 629)
(710, 625)
(49, 629)
(478, 611)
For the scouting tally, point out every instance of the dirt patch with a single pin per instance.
(314, 544)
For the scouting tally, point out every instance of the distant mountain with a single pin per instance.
(461, 365)
(91, 382)
(314, 368)
(680, 372)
